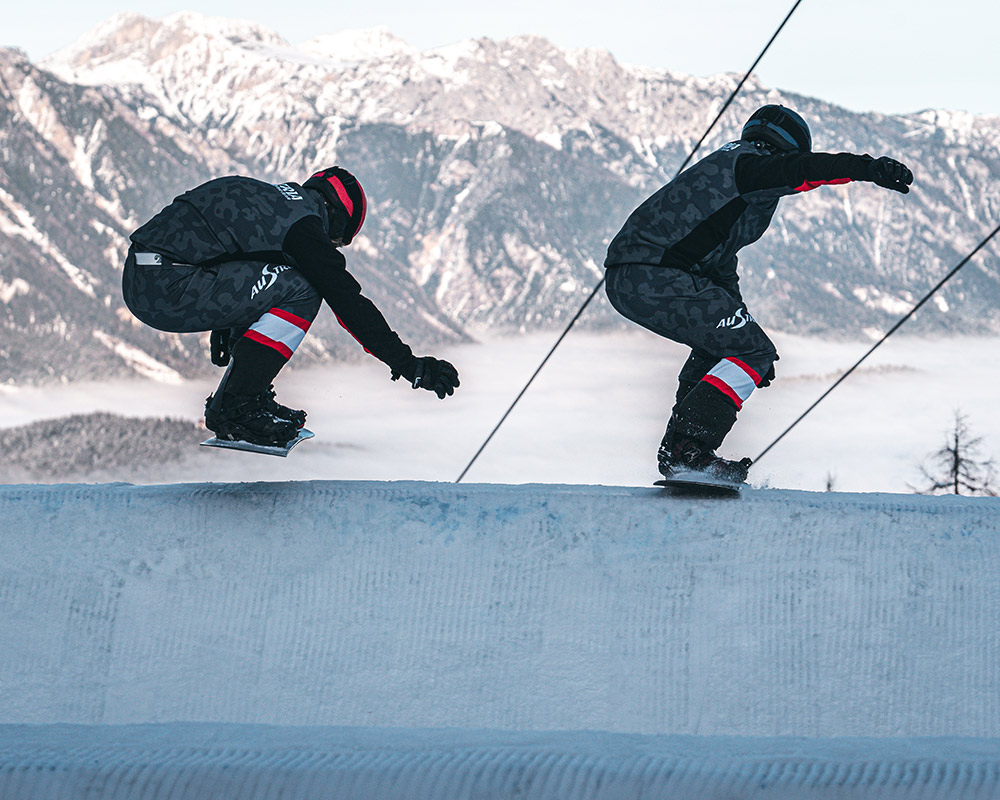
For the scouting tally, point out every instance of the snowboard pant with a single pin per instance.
(730, 353)
(270, 304)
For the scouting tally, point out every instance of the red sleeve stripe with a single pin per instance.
(342, 325)
(808, 186)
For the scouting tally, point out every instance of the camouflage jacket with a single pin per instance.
(702, 218)
(239, 218)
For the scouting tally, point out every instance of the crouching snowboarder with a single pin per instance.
(672, 269)
(252, 262)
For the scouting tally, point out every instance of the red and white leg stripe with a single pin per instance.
(734, 379)
(280, 330)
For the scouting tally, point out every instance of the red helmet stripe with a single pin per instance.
(364, 208)
(341, 190)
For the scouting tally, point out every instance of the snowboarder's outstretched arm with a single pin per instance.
(324, 266)
(788, 173)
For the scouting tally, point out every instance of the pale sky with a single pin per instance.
(889, 56)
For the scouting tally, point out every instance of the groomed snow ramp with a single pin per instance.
(354, 609)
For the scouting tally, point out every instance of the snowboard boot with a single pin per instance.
(248, 418)
(692, 455)
(294, 415)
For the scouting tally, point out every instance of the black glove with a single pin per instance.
(219, 345)
(769, 376)
(891, 174)
(431, 374)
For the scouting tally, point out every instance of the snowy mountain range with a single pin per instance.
(497, 172)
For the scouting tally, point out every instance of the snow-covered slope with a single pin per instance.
(197, 641)
(505, 607)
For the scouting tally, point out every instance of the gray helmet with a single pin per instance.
(780, 127)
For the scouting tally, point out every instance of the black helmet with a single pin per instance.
(780, 127)
(345, 200)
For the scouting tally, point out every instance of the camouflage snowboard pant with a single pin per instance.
(271, 303)
(729, 350)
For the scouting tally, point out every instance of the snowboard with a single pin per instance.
(250, 447)
(698, 484)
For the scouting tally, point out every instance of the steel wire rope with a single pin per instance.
(874, 347)
(600, 283)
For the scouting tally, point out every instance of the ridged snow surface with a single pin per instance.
(647, 623)
(208, 762)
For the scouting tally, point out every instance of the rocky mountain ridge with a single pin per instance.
(497, 172)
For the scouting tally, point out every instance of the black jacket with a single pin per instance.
(238, 218)
(699, 220)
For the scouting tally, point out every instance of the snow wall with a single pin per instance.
(521, 610)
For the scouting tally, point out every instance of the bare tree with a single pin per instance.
(957, 468)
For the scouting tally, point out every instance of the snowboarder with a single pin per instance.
(252, 262)
(672, 269)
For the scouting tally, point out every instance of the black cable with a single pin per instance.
(739, 86)
(892, 330)
(530, 380)
(600, 283)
